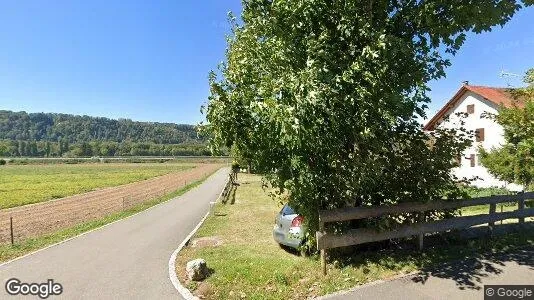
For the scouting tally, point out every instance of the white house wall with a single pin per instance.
(493, 137)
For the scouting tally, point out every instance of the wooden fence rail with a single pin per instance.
(327, 240)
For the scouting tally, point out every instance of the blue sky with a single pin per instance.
(149, 60)
(485, 55)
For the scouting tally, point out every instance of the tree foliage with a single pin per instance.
(58, 135)
(97, 148)
(78, 129)
(514, 161)
(323, 96)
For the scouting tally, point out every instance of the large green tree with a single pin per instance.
(323, 96)
(514, 161)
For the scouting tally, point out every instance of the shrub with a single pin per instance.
(2, 162)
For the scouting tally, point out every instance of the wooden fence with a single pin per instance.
(326, 240)
(228, 186)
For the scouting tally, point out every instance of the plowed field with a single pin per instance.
(45, 217)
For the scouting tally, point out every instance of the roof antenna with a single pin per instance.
(507, 76)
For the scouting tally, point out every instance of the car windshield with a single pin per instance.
(287, 210)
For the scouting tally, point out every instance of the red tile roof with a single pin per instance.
(498, 96)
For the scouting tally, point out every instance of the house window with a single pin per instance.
(472, 159)
(479, 134)
(471, 109)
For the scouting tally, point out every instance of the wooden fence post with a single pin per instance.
(521, 206)
(492, 209)
(421, 236)
(323, 251)
(11, 229)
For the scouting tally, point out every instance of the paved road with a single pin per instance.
(126, 260)
(463, 279)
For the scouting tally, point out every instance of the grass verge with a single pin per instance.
(250, 265)
(8, 252)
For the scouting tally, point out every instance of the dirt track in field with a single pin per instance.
(46, 217)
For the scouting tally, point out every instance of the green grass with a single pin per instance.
(8, 252)
(484, 209)
(475, 192)
(26, 184)
(250, 264)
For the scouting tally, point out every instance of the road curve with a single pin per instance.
(127, 259)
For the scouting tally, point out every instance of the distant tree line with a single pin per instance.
(53, 127)
(60, 135)
(97, 148)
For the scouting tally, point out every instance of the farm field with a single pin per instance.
(27, 184)
(29, 221)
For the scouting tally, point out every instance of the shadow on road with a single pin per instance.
(466, 256)
(468, 273)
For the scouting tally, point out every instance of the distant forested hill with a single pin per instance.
(76, 129)
(61, 135)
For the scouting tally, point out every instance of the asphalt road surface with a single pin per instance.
(464, 279)
(125, 260)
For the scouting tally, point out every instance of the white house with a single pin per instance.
(475, 101)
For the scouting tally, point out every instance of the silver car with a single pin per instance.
(289, 228)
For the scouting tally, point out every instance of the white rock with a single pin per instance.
(197, 269)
